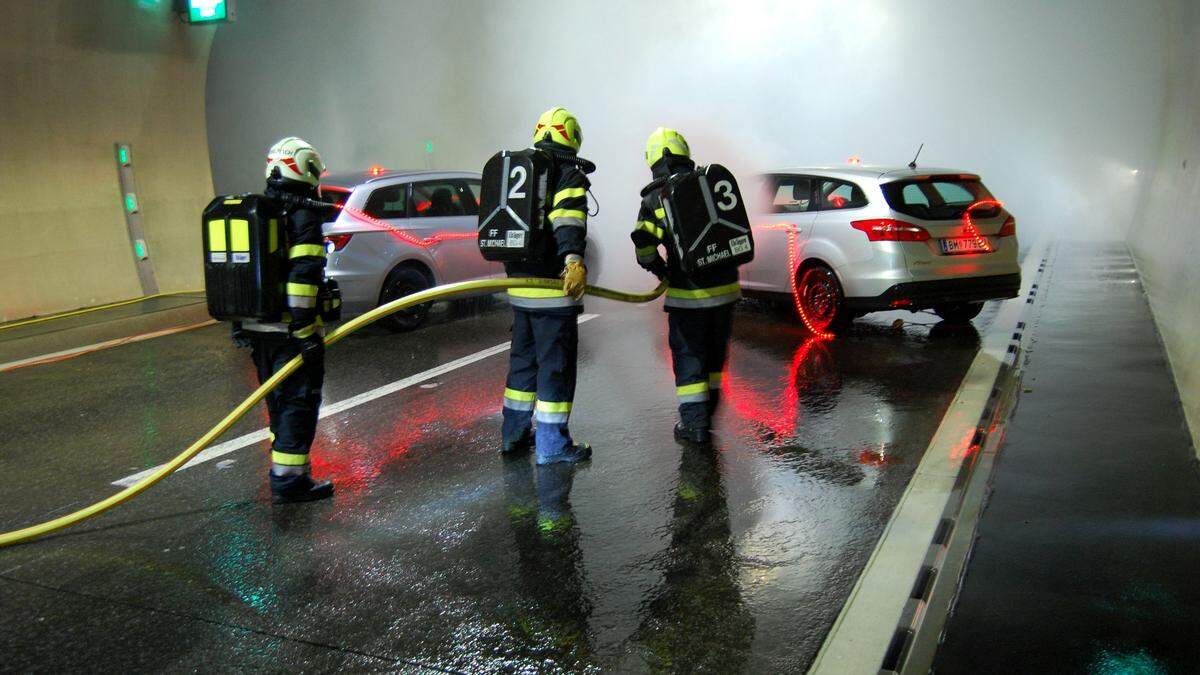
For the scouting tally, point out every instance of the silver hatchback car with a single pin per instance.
(847, 241)
(399, 232)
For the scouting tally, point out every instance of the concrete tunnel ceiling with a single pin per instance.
(1056, 105)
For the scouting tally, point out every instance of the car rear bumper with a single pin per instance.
(926, 294)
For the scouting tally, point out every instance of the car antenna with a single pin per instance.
(913, 163)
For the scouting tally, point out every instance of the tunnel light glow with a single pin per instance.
(854, 160)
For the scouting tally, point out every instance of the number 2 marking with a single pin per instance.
(725, 189)
(519, 175)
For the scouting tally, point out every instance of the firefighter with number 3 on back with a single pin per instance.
(697, 214)
(533, 218)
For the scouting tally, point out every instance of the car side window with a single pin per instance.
(837, 194)
(388, 202)
(442, 198)
(793, 194)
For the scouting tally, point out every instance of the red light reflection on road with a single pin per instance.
(435, 418)
(777, 410)
(877, 456)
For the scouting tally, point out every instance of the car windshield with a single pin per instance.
(938, 197)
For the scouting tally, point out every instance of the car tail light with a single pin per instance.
(337, 242)
(887, 229)
(1009, 228)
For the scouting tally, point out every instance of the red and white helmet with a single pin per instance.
(296, 159)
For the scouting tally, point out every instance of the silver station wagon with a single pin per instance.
(843, 242)
(399, 232)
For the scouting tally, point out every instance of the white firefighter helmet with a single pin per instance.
(296, 159)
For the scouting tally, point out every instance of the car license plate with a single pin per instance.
(965, 245)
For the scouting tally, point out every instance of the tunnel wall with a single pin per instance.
(1165, 238)
(79, 76)
(1055, 104)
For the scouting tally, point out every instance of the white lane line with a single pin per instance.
(335, 408)
(862, 633)
(99, 346)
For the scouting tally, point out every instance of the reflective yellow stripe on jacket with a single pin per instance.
(697, 298)
(305, 250)
(541, 298)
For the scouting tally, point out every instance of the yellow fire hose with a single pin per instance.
(437, 293)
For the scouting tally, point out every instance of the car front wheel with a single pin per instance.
(820, 300)
(402, 282)
(959, 312)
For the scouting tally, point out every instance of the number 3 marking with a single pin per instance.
(518, 175)
(725, 189)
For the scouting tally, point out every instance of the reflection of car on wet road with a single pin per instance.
(845, 242)
(399, 232)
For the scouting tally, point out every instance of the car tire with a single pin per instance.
(820, 300)
(958, 312)
(401, 282)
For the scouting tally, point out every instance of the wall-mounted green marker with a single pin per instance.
(131, 202)
(207, 11)
(124, 158)
(139, 249)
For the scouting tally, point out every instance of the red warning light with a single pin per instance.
(855, 160)
(376, 170)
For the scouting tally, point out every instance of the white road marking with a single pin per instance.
(107, 344)
(341, 406)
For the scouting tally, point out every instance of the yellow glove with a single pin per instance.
(574, 279)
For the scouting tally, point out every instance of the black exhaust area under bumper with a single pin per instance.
(926, 294)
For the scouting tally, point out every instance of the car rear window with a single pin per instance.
(334, 195)
(938, 197)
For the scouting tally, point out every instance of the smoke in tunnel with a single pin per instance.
(1057, 105)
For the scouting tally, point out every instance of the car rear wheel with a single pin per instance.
(959, 312)
(401, 282)
(820, 300)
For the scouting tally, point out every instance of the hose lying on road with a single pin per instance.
(437, 293)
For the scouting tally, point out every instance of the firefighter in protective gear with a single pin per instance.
(293, 173)
(545, 332)
(699, 306)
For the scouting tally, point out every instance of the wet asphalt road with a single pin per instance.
(1086, 554)
(436, 552)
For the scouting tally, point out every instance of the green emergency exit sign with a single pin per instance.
(207, 11)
